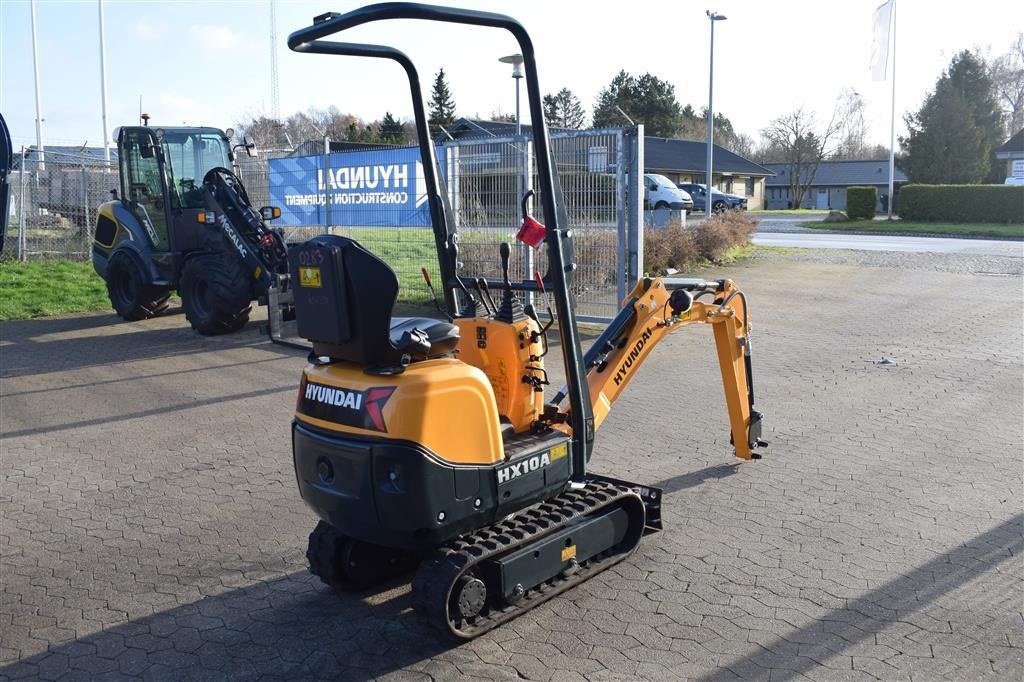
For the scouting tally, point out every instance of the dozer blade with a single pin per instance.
(494, 574)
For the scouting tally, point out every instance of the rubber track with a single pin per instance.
(439, 573)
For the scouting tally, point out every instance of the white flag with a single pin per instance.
(880, 44)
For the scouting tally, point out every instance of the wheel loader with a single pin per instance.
(6, 163)
(431, 444)
(184, 221)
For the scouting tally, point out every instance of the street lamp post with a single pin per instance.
(713, 17)
(516, 60)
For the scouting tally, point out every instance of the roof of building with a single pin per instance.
(315, 147)
(65, 156)
(840, 173)
(689, 156)
(1014, 147)
(472, 128)
(660, 154)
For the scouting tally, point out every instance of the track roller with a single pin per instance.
(349, 565)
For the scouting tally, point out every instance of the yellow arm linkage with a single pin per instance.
(661, 306)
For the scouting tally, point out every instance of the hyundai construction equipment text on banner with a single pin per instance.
(381, 187)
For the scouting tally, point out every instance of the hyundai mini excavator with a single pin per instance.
(428, 444)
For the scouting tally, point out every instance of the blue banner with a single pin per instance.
(372, 188)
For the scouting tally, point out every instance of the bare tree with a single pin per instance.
(797, 140)
(262, 130)
(853, 127)
(1007, 73)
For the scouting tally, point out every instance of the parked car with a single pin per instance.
(660, 192)
(720, 201)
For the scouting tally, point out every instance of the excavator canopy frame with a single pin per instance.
(558, 240)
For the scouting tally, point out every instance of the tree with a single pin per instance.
(647, 99)
(392, 130)
(442, 104)
(563, 110)
(1007, 74)
(797, 140)
(952, 136)
(853, 128)
(263, 131)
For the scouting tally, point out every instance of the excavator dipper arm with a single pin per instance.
(657, 307)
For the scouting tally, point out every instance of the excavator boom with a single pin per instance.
(655, 308)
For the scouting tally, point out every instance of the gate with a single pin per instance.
(487, 178)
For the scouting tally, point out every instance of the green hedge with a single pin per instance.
(962, 203)
(860, 202)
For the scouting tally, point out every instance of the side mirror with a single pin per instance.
(250, 148)
(270, 212)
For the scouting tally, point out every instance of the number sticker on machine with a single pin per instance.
(309, 277)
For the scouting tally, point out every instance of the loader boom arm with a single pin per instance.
(659, 306)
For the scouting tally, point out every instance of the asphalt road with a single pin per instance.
(785, 230)
(866, 242)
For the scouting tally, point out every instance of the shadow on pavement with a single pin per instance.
(48, 344)
(289, 628)
(695, 478)
(799, 651)
(161, 411)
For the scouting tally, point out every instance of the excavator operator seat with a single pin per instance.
(344, 297)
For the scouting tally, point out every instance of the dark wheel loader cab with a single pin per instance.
(184, 222)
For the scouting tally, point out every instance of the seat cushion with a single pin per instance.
(443, 336)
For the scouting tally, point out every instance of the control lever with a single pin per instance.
(485, 296)
(470, 309)
(437, 304)
(511, 307)
(531, 312)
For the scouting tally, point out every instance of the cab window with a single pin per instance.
(190, 156)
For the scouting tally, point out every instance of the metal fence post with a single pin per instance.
(635, 262)
(85, 211)
(21, 211)
(528, 266)
(327, 183)
(621, 222)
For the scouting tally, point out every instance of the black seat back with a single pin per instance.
(344, 296)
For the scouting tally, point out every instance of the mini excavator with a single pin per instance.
(428, 444)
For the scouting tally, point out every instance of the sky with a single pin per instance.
(208, 63)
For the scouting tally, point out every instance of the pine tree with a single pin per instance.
(951, 138)
(392, 131)
(442, 104)
(563, 110)
(647, 99)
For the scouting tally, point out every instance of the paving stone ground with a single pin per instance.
(150, 524)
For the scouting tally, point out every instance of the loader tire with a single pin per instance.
(215, 292)
(131, 296)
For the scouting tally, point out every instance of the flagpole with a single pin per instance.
(39, 108)
(892, 118)
(103, 88)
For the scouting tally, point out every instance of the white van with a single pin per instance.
(660, 192)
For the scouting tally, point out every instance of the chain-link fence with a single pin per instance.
(488, 178)
(53, 209)
(376, 197)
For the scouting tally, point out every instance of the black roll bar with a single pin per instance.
(559, 238)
